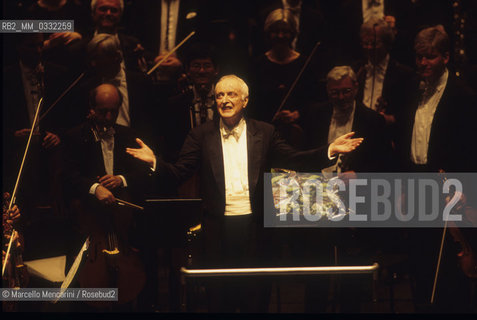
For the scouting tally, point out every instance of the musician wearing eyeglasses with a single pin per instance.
(343, 114)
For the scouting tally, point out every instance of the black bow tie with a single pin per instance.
(106, 134)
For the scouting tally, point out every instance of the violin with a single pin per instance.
(16, 274)
(466, 256)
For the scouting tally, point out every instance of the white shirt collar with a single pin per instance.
(442, 81)
(381, 66)
(235, 131)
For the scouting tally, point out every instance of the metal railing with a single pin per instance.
(279, 271)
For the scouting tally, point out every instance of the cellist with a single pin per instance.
(98, 172)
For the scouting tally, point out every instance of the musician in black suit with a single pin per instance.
(27, 81)
(436, 125)
(107, 64)
(195, 104)
(164, 24)
(98, 172)
(343, 114)
(436, 130)
(78, 56)
(183, 17)
(385, 85)
(106, 18)
(307, 15)
(96, 161)
(233, 153)
(323, 122)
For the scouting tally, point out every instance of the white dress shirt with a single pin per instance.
(169, 18)
(31, 80)
(373, 8)
(423, 120)
(234, 149)
(375, 92)
(209, 103)
(338, 129)
(107, 147)
(124, 117)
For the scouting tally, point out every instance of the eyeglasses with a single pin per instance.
(198, 66)
(104, 9)
(336, 92)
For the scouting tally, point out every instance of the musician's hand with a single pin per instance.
(104, 195)
(139, 49)
(172, 61)
(22, 133)
(391, 21)
(144, 153)
(287, 116)
(13, 214)
(388, 118)
(61, 38)
(51, 140)
(344, 144)
(110, 181)
(141, 60)
(381, 105)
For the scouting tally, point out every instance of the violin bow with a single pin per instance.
(73, 269)
(375, 57)
(62, 95)
(128, 204)
(439, 259)
(12, 199)
(170, 52)
(292, 87)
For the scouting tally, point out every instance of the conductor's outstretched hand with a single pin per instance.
(344, 144)
(143, 153)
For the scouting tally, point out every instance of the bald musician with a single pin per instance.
(96, 159)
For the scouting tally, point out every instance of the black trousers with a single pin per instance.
(235, 242)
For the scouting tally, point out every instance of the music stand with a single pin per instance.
(165, 225)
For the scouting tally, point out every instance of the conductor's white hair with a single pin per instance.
(95, 2)
(339, 72)
(243, 86)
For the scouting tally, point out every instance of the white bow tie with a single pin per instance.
(234, 132)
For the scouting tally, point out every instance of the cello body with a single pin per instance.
(111, 261)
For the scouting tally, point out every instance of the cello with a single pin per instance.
(111, 261)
